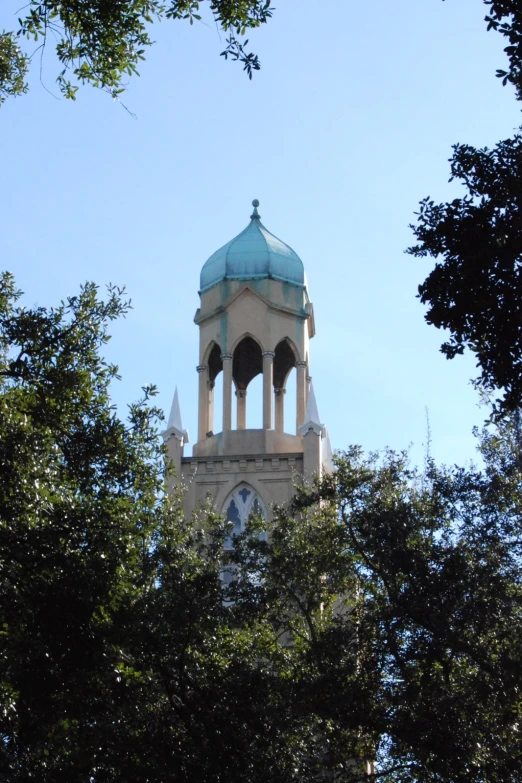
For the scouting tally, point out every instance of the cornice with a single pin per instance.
(200, 319)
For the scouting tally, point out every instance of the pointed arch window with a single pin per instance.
(239, 505)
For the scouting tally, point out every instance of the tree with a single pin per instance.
(379, 621)
(78, 489)
(402, 592)
(13, 67)
(506, 18)
(475, 289)
(120, 660)
(100, 43)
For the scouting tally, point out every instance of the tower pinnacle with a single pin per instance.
(175, 426)
(255, 214)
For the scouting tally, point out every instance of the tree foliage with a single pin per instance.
(505, 17)
(13, 67)
(120, 660)
(380, 620)
(101, 43)
(77, 492)
(475, 289)
(403, 594)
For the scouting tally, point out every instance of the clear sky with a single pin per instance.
(347, 126)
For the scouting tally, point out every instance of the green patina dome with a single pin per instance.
(255, 253)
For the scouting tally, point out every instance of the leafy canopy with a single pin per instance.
(13, 67)
(377, 627)
(101, 42)
(475, 288)
(505, 17)
(78, 488)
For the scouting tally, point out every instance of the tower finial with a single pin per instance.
(255, 214)
(311, 418)
(174, 426)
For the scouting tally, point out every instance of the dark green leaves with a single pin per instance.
(102, 43)
(506, 18)
(475, 290)
(13, 67)
(79, 490)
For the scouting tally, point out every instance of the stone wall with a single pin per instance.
(272, 476)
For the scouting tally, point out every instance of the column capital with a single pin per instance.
(201, 368)
(279, 392)
(268, 354)
(309, 379)
(226, 357)
(301, 364)
(241, 393)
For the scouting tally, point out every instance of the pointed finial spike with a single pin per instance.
(328, 463)
(255, 214)
(312, 413)
(175, 426)
(311, 418)
(175, 413)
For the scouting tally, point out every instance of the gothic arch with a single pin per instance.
(293, 346)
(224, 492)
(285, 359)
(212, 358)
(247, 361)
(242, 337)
(243, 501)
(208, 350)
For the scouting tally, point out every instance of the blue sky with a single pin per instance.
(347, 126)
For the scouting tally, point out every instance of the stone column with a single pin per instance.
(280, 409)
(202, 402)
(268, 382)
(210, 421)
(301, 391)
(241, 408)
(227, 391)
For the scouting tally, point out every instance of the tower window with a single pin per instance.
(243, 502)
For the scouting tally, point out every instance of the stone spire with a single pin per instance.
(312, 431)
(175, 426)
(311, 419)
(328, 465)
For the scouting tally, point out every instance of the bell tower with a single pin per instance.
(255, 318)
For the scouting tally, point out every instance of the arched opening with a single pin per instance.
(215, 362)
(284, 362)
(215, 393)
(217, 399)
(290, 402)
(247, 364)
(254, 411)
